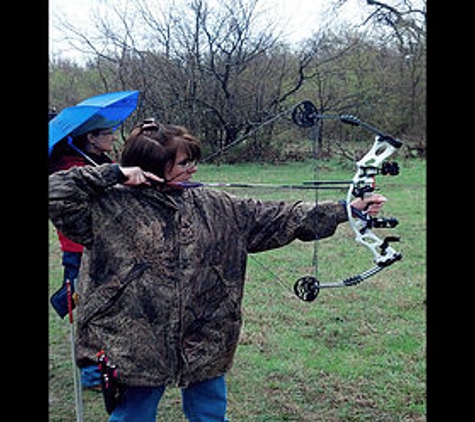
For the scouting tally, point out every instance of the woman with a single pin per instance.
(87, 148)
(162, 279)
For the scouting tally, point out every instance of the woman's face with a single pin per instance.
(182, 169)
(102, 142)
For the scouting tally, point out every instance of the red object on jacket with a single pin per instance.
(65, 162)
(67, 245)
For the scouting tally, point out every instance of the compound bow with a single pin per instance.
(373, 163)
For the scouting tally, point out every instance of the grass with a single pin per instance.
(355, 354)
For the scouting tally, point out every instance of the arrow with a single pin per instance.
(324, 184)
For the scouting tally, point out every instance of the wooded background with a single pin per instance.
(225, 72)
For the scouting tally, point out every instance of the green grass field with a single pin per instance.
(355, 354)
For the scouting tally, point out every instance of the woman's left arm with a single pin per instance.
(275, 224)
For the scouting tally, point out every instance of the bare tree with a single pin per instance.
(222, 70)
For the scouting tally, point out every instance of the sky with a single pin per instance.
(302, 17)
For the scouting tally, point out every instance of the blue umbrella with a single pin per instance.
(102, 111)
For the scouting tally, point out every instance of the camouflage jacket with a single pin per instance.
(162, 275)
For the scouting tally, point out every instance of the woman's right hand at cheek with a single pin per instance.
(136, 176)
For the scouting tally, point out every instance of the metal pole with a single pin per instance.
(76, 372)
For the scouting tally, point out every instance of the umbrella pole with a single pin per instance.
(75, 148)
(76, 372)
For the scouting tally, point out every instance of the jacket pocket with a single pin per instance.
(108, 293)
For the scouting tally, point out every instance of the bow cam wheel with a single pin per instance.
(305, 114)
(307, 288)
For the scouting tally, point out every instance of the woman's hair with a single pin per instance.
(153, 146)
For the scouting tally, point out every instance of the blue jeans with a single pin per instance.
(202, 402)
